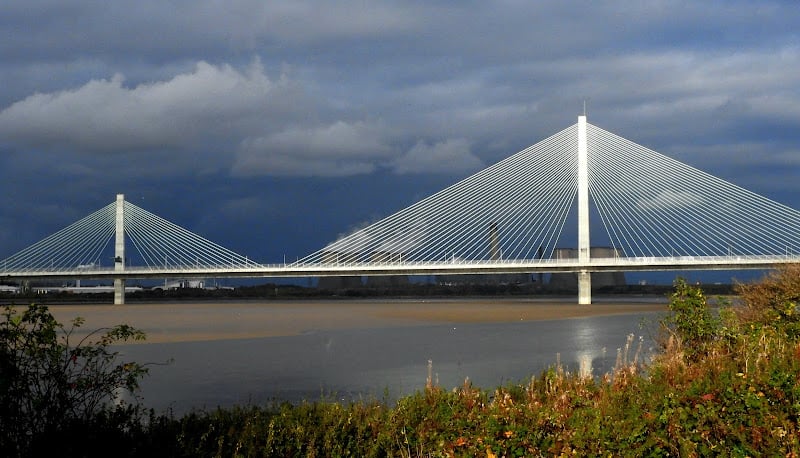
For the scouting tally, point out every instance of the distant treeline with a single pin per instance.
(281, 291)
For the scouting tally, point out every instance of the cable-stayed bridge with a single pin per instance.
(656, 214)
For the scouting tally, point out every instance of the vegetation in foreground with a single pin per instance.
(54, 390)
(725, 383)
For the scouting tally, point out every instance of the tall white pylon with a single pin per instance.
(119, 250)
(584, 245)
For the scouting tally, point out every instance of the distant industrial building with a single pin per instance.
(339, 282)
(181, 284)
(495, 253)
(9, 289)
(387, 281)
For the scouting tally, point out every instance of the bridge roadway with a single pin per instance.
(619, 264)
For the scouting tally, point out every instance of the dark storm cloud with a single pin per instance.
(312, 96)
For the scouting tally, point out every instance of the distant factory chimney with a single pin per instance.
(494, 243)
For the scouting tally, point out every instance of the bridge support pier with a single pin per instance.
(584, 288)
(119, 291)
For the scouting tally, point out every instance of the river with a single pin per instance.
(381, 360)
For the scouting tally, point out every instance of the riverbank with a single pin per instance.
(189, 322)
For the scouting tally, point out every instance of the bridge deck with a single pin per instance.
(618, 264)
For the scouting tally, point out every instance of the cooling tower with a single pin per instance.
(342, 282)
(388, 281)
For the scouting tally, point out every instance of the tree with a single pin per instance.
(690, 319)
(48, 384)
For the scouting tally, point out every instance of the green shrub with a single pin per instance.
(50, 386)
(690, 320)
(774, 300)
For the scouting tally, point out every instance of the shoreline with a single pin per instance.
(172, 322)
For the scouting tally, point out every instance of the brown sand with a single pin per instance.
(181, 322)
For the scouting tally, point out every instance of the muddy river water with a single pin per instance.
(209, 355)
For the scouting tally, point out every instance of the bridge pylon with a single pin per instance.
(158, 249)
(584, 245)
(119, 250)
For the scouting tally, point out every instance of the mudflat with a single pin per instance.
(185, 321)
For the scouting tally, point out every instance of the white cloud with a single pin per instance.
(196, 120)
(338, 149)
(265, 163)
(342, 139)
(210, 104)
(450, 156)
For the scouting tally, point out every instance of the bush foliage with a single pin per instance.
(50, 386)
(774, 300)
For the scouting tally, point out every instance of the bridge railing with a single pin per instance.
(410, 264)
(725, 259)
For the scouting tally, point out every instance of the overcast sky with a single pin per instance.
(271, 127)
